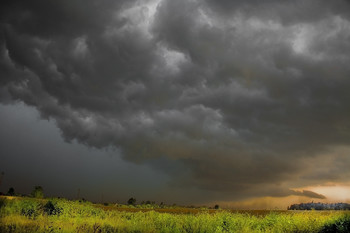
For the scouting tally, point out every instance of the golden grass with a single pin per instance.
(30, 215)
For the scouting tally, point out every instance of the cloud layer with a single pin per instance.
(239, 98)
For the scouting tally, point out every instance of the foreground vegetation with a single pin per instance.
(60, 215)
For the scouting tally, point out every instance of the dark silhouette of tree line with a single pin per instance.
(320, 206)
(38, 192)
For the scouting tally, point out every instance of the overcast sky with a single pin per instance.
(187, 101)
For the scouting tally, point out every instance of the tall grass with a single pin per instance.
(58, 215)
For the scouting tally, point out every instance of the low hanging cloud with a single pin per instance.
(242, 98)
(308, 193)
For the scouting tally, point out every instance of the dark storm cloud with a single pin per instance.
(311, 194)
(235, 97)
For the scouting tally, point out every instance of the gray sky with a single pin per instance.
(176, 101)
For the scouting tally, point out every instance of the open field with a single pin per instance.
(184, 210)
(60, 215)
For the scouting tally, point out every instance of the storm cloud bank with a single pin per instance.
(240, 98)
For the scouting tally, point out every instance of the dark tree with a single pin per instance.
(38, 192)
(216, 207)
(132, 201)
(11, 192)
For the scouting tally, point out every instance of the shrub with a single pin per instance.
(38, 192)
(132, 201)
(11, 192)
(29, 208)
(51, 208)
(341, 225)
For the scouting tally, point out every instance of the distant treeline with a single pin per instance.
(131, 203)
(320, 206)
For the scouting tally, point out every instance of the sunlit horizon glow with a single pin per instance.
(334, 192)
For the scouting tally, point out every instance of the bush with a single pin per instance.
(29, 208)
(38, 192)
(341, 225)
(11, 192)
(51, 208)
(132, 201)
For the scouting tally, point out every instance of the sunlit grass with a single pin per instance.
(36, 215)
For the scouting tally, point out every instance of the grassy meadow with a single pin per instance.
(19, 214)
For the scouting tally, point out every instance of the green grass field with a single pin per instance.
(60, 215)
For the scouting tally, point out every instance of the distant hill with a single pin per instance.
(320, 206)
